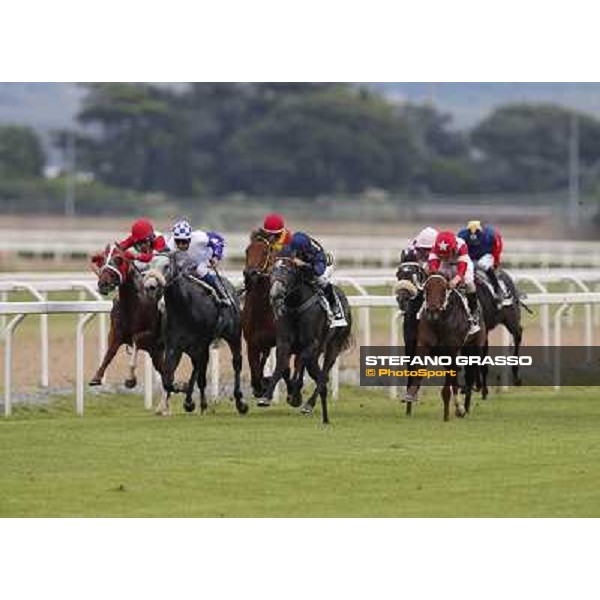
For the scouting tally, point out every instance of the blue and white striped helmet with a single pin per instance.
(182, 230)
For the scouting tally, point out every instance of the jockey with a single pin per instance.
(275, 231)
(309, 254)
(204, 250)
(485, 247)
(450, 257)
(418, 248)
(144, 244)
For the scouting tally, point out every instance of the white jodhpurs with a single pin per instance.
(323, 280)
(485, 262)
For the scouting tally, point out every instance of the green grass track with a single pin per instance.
(526, 453)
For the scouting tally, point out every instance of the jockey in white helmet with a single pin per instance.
(204, 250)
(419, 247)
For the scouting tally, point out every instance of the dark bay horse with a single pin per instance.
(409, 296)
(258, 322)
(193, 321)
(444, 330)
(509, 316)
(134, 319)
(302, 329)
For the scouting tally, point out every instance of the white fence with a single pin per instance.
(357, 250)
(364, 303)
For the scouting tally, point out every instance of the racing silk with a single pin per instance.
(460, 258)
(283, 239)
(489, 241)
(203, 246)
(315, 256)
(158, 245)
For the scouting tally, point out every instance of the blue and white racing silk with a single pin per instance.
(203, 246)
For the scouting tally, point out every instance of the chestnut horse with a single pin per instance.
(444, 330)
(258, 323)
(134, 319)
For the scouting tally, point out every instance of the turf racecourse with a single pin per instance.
(531, 453)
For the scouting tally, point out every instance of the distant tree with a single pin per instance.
(140, 142)
(21, 153)
(525, 147)
(327, 140)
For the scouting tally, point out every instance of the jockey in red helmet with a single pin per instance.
(145, 241)
(275, 231)
(450, 257)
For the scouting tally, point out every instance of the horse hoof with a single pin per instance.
(242, 408)
(460, 412)
(130, 383)
(517, 382)
(307, 409)
(163, 412)
(294, 401)
(263, 402)
(189, 406)
(94, 382)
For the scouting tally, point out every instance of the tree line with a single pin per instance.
(303, 140)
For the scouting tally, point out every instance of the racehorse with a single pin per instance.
(509, 316)
(409, 295)
(258, 323)
(302, 329)
(134, 319)
(193, 321)
(444, 330)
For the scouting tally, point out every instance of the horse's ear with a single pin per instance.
(97, 258)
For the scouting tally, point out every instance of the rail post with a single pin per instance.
(83, 320)
(8, 333)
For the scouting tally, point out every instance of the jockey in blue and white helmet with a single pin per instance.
(204, 249)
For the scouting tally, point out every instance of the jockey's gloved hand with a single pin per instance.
(455, 281)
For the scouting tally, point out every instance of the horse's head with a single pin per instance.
(410, 277)
(112, 267)
(284, 277)
(259, 259)
(437, 292)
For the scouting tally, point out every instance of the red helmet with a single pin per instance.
(273, 223)
(141, 230)
(445, 243)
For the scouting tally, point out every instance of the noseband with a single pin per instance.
(108, 267)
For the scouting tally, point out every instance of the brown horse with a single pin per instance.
(258, 323)
(444, 331)
(134, 319)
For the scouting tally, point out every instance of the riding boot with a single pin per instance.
(339, 319)
(491, 273)
(221, 293)
(474, 308)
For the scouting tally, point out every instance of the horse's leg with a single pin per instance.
(282, 363)
(256, 369)
(114, 343)
(446, 393)
(452, 384)
(201, 378)
(331, 354)
(188, 404)
(484, 370)
(131, 380)
(469, 379)
(312, 367)
(516, 330)
(235, 345)
(295, 382)
(171, 360)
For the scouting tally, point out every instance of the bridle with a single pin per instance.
(263, 269)
(448, 291)
(109, 267)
